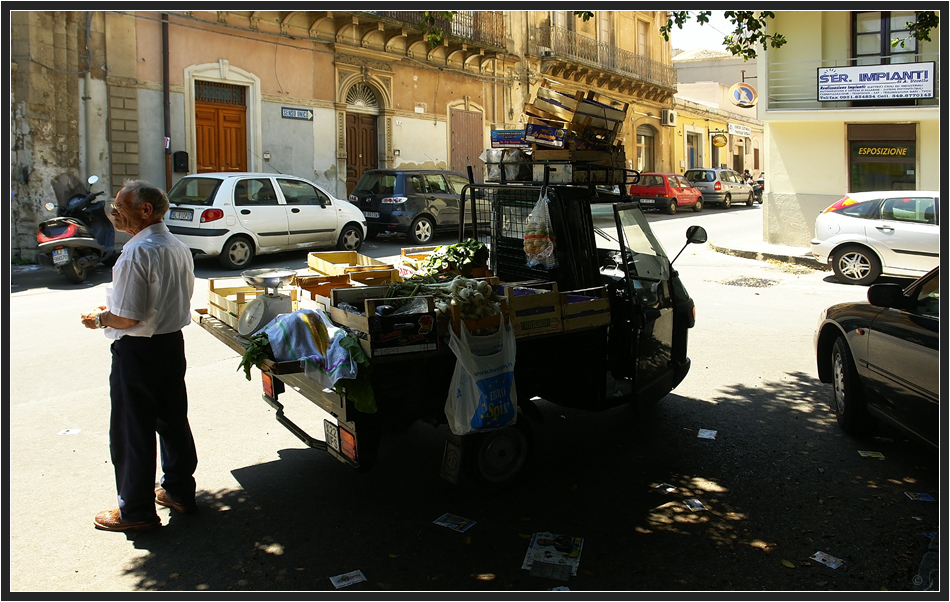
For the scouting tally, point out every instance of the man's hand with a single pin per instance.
(89, 320)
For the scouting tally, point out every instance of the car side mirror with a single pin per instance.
(886, 295)
(695, 235)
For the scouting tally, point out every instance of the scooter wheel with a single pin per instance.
(74, 272)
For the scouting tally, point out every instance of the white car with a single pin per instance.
(238, 215)
(866, 234)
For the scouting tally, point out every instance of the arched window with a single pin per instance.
(646, 148)
(361, 95)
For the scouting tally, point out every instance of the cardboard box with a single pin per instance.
(334, 263)
(585, 308)
(544, 134)
(386, 335)
(533, 308)
(227, 297)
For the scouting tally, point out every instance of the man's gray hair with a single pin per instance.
(141, 191)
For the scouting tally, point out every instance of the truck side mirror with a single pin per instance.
(695, 234)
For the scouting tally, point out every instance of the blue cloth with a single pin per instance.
(291, 339)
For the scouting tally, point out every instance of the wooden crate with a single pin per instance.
(386, 335)
(334, 263)
(417, 253)
(227, 297)
(534, 308)
(585, 308)
(374, 277)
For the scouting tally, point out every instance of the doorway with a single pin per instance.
(466, 142)
(220, 127)
(362, 147)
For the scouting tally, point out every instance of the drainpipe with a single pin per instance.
(166, 103)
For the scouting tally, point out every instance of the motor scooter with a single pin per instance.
(81, 236)
(758, 187)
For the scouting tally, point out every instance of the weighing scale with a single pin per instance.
(259, 312)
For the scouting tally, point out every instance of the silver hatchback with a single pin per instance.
(720, 186)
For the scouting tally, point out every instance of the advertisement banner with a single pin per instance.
(508, 139)
(876, 82)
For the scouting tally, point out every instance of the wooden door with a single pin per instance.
(220, 137)
(466, 142)
(362, 147)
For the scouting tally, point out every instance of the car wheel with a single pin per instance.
(751, 200)
(351, 238)
(671, 208)
(421, 230)
(699, 205)
(726, 202)
(850, 405)
(237, 253)
(497, 458)
(856, 265)
(74, 272)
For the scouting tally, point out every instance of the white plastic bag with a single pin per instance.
(539, 237)
(482, 394)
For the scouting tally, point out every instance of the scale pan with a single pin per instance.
(269, 277)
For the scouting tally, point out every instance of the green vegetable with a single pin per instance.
(257, 351)
(461, 257)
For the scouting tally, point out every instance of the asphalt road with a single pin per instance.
(779, 482)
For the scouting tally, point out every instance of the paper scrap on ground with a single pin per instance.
(706, 434)
(347, 579)
(694, 504)
(69, 432)
(870, 454)
(827, 559)
(456, 523)
(664, 488)
(552, 555)
(920, 497)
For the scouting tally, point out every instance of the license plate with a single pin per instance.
(647, 202)
(183, 215)
(60, 256)
(374, 214)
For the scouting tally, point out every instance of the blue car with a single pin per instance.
(881, 358)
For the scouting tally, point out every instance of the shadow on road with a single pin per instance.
(779, 482)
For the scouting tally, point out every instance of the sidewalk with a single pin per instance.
(763, 251)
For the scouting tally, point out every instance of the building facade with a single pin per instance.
(845, 110)
(321, 94)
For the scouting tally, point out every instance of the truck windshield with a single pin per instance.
(649, 259)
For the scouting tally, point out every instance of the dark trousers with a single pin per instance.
(148, 396)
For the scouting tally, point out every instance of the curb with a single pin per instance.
(763, 256)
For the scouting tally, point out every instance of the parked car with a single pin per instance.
(237, 215)
(881, 357)
(417, 202)
(721, 186)
(666, 191)
(866, 234)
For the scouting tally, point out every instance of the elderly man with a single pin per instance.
(147, 306)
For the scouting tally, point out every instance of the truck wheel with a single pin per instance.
(497, 458)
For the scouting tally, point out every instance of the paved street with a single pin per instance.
(780, 481)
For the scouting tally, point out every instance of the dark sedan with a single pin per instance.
(881, 358)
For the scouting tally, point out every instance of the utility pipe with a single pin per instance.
(166, 104)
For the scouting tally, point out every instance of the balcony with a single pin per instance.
(794, 86)
(483, 28)
(573, 56)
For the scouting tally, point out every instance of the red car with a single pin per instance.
(666, 191)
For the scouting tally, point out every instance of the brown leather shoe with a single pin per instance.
(111, 520)
(163, 499)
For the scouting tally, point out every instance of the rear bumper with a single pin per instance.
(203, 240)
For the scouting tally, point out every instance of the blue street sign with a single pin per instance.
(290, 113)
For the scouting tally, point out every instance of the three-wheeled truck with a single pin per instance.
(636, 354)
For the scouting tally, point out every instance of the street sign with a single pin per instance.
(291, 113)
(743, 95)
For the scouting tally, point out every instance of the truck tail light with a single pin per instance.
(272, 387)
(348, 444)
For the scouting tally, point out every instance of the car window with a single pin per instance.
(864, 210)
(254, 191)
(457, 183)
(921, 210)
(414, 184)
(650, 180)
(302, 193)
(436, 183)
(729, 176)
(377, 183)
(194, 191)
(928, 297)
(684, 183)
(699, 175)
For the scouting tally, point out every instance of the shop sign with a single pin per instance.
(719, 140)
(896, 151)
(740, 130)
(508, 139)
(743, 95)
(876, 82)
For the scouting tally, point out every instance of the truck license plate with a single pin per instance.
(374, 214)
(183, 215)
(60, 256)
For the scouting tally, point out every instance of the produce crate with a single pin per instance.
(417, 253)
(385, 335)
(534, 308)
(334, 263)
(228, 296)
(374, 277)
(585, 308)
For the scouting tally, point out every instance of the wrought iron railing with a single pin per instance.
(794, 85)
(484, 27)
(560, 42)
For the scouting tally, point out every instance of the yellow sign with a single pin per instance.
(743, 95)
(719, 140)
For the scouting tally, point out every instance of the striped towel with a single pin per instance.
(308, 336)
